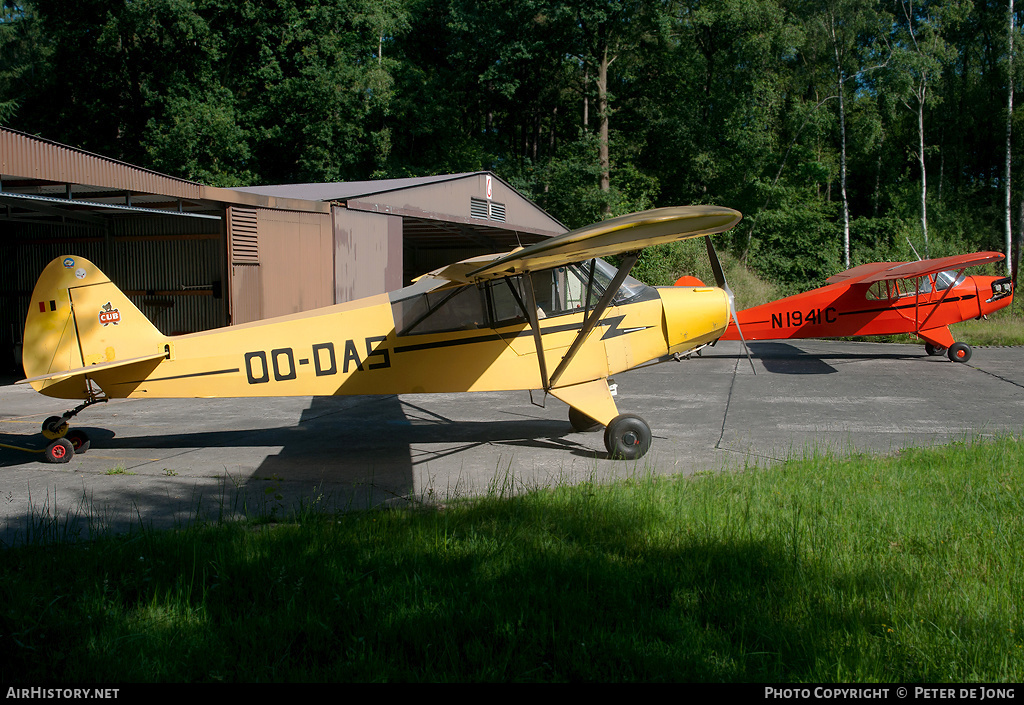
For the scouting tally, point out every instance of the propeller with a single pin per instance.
(716, 267)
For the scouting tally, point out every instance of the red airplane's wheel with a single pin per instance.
(934, 349)
(959, 352)
(60, 451)
(581, 422)
(627, 437)
(79, 441)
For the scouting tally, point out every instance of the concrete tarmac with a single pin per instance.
(165, 463)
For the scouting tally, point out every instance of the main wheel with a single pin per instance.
(54, 428)
(627, 437)
(934, 349)
(581, 422)
(79, 440)
(959, 352)
(60, 451)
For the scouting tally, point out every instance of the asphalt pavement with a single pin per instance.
(165, 463)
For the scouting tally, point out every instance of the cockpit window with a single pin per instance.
(944, 280)
(895, 288)
(461, 308)
(573, 288)
(580, 286)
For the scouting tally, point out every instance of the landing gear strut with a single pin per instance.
(65, 443)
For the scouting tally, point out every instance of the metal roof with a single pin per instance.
(45, 181)
(41, 179)
(343, 190)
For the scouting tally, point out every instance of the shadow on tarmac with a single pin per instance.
(346, 452)
(786, 359)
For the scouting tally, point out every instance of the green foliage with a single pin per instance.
(795, 240)
(661, 265)
(719, 101)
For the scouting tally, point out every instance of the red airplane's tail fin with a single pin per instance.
(687, 280)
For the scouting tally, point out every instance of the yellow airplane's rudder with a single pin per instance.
(77, 319)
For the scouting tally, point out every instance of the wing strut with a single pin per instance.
(628, 260)
(921, 324)
(531, 316)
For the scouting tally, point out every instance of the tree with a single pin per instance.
(607, 32)
(919, 54)
(848, 28)
(1011, 30)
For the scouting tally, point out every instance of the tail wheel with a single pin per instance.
(581, 422)
(627, 437)
(959, 352)
(60, 451)
(54, 427)
(79, 441)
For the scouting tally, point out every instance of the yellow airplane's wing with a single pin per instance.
(610, 237)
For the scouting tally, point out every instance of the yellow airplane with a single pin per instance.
(552, 316)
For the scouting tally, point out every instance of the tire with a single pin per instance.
(79, 440)
(627, 437)
(582, 423)
(959, 352)
(60, 451)
(54, 428)
(934, 349)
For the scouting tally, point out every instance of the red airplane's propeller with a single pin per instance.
(716, 267)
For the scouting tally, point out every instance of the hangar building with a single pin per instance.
(195, 257)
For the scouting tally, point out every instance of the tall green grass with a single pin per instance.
(824, 569)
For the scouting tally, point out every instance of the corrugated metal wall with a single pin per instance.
(172, 268)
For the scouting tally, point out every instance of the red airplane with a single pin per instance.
(882, 298)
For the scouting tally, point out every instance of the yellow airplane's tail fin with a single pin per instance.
(78, 318)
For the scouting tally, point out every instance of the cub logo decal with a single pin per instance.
(109, 315)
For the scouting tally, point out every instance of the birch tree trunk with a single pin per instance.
(1009, 132)
(604, 157)
(842, 141)
(920, 159)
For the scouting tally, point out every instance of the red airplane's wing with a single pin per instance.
(881, 271)
(864, 270)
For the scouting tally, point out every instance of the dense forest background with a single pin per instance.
(845, 130)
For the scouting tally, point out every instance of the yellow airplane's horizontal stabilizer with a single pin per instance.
(91, 369)
(75, 384)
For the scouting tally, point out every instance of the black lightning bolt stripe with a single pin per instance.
(613, 327)
(951, 299)
(194, 374)
(613, 332)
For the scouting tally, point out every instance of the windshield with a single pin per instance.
(630, 288)
(944, 280)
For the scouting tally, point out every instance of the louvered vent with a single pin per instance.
(478, 208)
(498, 212)
(243, 234)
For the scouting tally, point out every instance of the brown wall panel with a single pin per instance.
(367, 254)
(295, 270)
